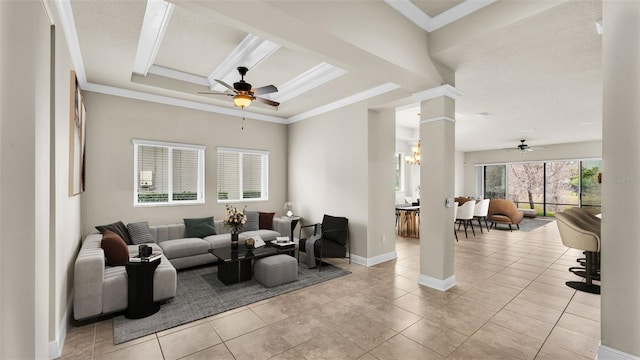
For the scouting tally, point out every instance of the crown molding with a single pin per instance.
(312, 78)
(156, 20)
(442, 90)
(440, 118)
(364, 95)
(411, 12)
(167, 100)
(429, 24)
(458, 12)
(65, 16)
(178, 75)
(250, 52)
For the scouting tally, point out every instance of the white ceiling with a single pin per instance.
(534, 66)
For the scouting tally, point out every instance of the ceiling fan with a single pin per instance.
(243, 93)
(523, 148)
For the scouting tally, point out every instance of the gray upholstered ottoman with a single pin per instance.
(275, 270)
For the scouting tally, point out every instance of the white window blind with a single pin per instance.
(168, 173)
(242, 175)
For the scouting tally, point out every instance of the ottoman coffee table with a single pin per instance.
(235, 266)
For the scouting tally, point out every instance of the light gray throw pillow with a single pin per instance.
(253, 220)
(140, 233)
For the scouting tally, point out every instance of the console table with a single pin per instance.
(408, 221)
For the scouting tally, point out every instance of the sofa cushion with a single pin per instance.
(252, 221)
(115, 249)
(266, 235)
(140, 233)
(265, 220)
(199, 227)
(118, 228)
(178, 248)
(218, 241)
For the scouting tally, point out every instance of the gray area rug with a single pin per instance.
(200, 294)
(528, 224)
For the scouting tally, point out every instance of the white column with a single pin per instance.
(620, 299)
(437, 136)
(25, 114)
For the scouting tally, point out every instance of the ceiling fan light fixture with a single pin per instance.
(242, 100)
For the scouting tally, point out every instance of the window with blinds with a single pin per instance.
(242, 175)
(168, 173)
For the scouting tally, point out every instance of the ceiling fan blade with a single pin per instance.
(268, 102)
(227, 93)
(265, 90)
(226, 85)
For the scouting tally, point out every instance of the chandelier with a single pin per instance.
(415, 158)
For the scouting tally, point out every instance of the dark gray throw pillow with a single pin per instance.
(199, 227)
(140, 233)
(118, 228)
(253, 221)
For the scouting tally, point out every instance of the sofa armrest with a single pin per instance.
(88, 278)
(282, 225)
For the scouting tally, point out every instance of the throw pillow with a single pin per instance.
(266, 220)
(140, 233)
(118, 228)
(115, 249)
(252, 221)
(199, 227)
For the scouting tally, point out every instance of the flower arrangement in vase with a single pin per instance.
(234, 220)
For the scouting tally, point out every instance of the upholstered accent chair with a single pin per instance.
(502, 211)
(333, 239)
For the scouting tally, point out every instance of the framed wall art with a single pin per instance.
(77, 141)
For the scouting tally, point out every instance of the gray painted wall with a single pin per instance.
(328, 169)
(114, 121)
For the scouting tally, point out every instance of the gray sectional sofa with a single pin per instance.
(102, 289)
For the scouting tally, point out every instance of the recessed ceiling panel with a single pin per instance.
(108, 33)
(435, 8)
(196, 45)
(279, 68)
(335, 90)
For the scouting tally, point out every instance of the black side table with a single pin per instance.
(294, 223)
(140, 289)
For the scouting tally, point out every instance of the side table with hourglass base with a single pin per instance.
(140, 289)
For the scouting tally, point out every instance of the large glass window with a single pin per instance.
(495, 181)
(526, 185)
(562, 186)
(548, 187)
(167, 173)
(242, 175)
(589, 174)
(399, 172)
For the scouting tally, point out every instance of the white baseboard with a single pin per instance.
(55, 347)
(442, 285)
(607, 353)
(379, 259)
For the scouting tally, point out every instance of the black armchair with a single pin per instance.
(333, 240)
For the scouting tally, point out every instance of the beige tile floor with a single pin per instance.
(510, 302)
